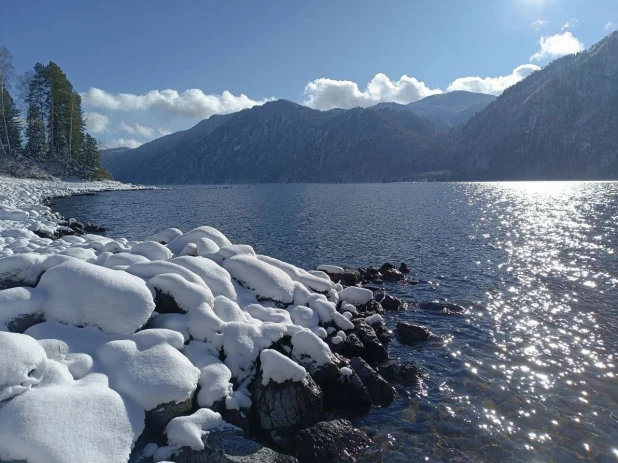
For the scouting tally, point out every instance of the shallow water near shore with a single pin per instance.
(528, 375)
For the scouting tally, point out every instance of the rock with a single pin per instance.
(375, 352)
(238, 418)
(350, 278)
(165, 303)
(370, 274)
(386, 267)
(403, 268)
(444, 307)
(229, 446)
(23, 322)
(392, 275)
(410, 334)
(371, 307)
(160, 416)
(380, 391)
(93, 228)
(286, 407)
(347, 394)
(403, 373)
(354, 346)
(390, 303)
(383, 334)
(334, 441)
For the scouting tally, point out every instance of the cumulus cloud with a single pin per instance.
(611, 26)
(493, 85)
(539, 23)
(557, 45)
(122, 143)
(139, 129)
(192, 103)
(163, 132)
(96, 123)
(328, 93)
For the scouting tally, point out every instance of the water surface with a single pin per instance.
(529, 375)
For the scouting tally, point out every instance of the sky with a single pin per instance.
(146, 68)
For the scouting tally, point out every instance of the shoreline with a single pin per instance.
(237, 328)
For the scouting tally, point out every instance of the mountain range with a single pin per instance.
(559, 123)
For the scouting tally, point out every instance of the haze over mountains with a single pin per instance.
(559, 123)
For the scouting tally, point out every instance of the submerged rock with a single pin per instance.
(334, 441)
(391, 303)
(399, 372)
(444, 307)
(410, 334)
(347, 394)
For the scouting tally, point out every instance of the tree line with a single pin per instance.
(48, 125)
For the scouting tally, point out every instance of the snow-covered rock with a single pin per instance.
(178, 243)
(355, 295)
(279, 368)
(22, 364)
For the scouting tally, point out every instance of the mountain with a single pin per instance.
(282, 141)
(559, 123)
(445, 109)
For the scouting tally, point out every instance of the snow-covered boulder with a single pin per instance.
(355, 295)
(279, 368)
(21, 308)
(22, 364)
(148, 270)
(83, 294)
(297, 274)
(165, 236)
(178, 243)
(175, 294)
(152, 250)
(20, 269)
(215, 377)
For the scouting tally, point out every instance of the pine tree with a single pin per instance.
(37, 113)
(91, 157)
(10, 137)
(6, 71)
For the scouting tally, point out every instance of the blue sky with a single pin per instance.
(147, 68)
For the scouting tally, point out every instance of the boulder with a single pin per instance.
(229, 446)
(334, 441)
(371, 307)
(350, 278)
(386, 267)
(403, 268)
(380, 391)
(399, 372)
(390, 303)
(410, 334)
(392, 275)
(444, 307)
(347, 394)
(353, 346)
(286, 407)
(375, 352)
(23, 322)
(160, 416)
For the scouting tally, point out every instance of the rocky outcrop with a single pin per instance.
(380, 391)
(374, 351)
(409, 333)
(443, 307)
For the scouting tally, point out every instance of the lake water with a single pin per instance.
(529, 375)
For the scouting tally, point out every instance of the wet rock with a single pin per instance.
(369, 274)
(403, 268)
(334, 441)
(350, 277)
(380, 391)
(160, 416)
(386, 267)
(375, 352)
(93, 228)
(390, 303)
(385, 336)
(443, 307)
(347, 394)
(286, 407)
(399, 372)
(392, 275)
(410, 334)
(371, 307)
(229, 446)
(354, 346)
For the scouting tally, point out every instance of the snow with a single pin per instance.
(355, 295)
(346, 371)
(337, 340)
(278, 368)
(215, 277)
(206, 247)
(22, 364)
(308, 345)
(187, 431)
(152, 250)
(178, 244)
(332, 269)
(187, 295)
(342, 322)
(114, 301)
(302, 276)
(374, 319)
(215, 377)
(266, 280)
(165, 236)
(17, 302)
(325, 309)
(149, 270)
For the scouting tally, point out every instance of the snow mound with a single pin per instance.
(17, 302)
(84, 421)
(22, 364)
(115, 302)
(267, 281)
(206, 247)
(307, 345)
(21, 268)
(355, 295)
(279, 368)
(187, 431)
(215, 277)
(187, 295)
(165, 236)
(178, 243)
(332, 269)
(236, 250)
(302, 276)
(121, 258)
(215, 377)
(152, 250)
(148, 270)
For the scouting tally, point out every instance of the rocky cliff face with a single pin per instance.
(559, 123)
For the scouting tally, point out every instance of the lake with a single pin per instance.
(529, 375)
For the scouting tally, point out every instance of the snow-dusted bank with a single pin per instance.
(175, 348)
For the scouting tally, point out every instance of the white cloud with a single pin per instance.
(569, 24)
(121, 142)
(557, 45)
(539, 23)
(493, 85)
(328, 93)
(164, 132)
(191, 103)
(96, 123)
(611, 26)
(139, 129)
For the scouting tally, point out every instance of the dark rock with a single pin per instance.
(371, 307)
(350, 278)
(160, 416)
(410, 334)
(370, 274)
(392, 275)
(238, 418)
(23, 322)
(44, 233)
(443, 307)
(383, 334)
(375, 352)
(323, 375)
(398, 372)
(286, 407)
(93, 228)
(380, 391)
(165, 303)
(347, 394)
(229, 446)
(331, 442)
(386, 267)
(354, 346)
(403, 268)
(392, 303)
